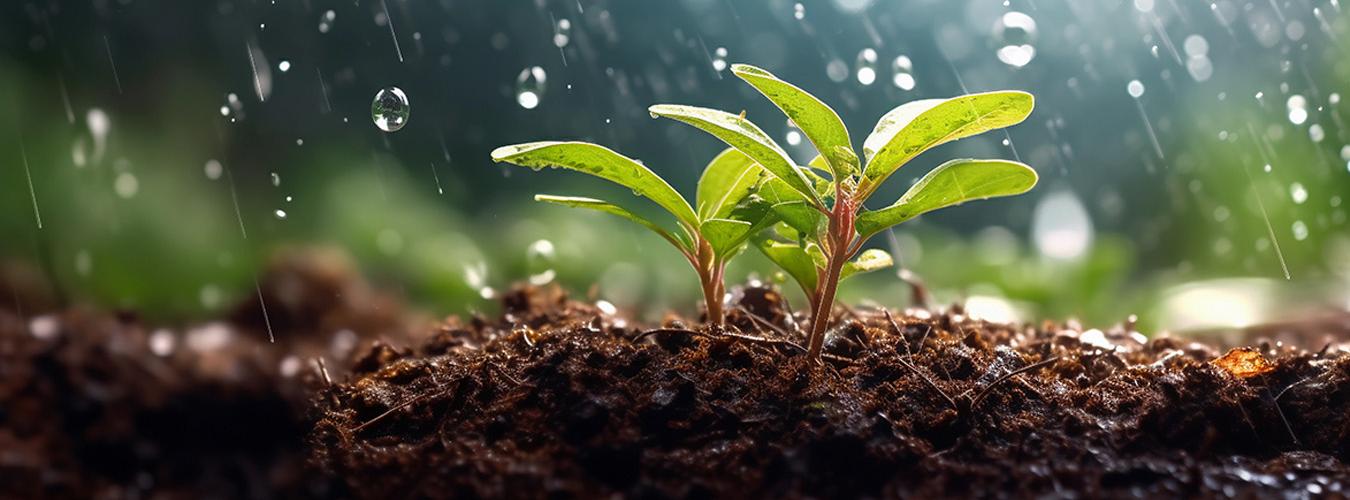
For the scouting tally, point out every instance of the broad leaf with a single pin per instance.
(793, 260)
(739, 133)
(727, 180)
(872, 259)
(600, 162)
(610, 208)
(725, 235)
(914, 127)
(951, 183)
(790, 206)
(820, 123)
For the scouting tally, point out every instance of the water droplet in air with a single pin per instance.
(562, 33)
(1015, 35)
(281, 214)
(1316, 133)
(794, 134)
(837, 70)
(1345, 152)
(1298, 109)
(213, 169)
(1300, 230)
(276, 179)
(903, 73)
(1061, 227)
(719, 60)
(799, 11)
(1334, 98)
(530, 86)
(390, 109)
(540, 258)
(326, 21)
(1135, 88)
(866, 66)
(126, 185)
(284, 66)
(1298, 193)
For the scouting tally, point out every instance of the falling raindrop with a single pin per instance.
(1345, 152)
(1061, 227)
(794, 134)
(1298, 193)
(1135, 88)
(1298, 109)
(837, 70)
(1316, 133)
(281, 214)
(540, 258)
(1300, 230)
(1334, 98)
(390, 109)
(126, 185)
(530, 86)
(213, 169)
(866, 66)
(799, 11)
(276, 179)
(903, 73)
(719, 60)
(1015, 36)
(326, 21)
(562, 33)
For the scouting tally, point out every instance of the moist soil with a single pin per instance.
(556, 398)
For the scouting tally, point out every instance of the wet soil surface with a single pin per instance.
(96, 404)
(557, 399)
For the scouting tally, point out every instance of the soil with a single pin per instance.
(556, 398)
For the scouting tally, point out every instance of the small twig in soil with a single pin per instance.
(899, 332)
(390, 411)
(976, 402)
(323, 370)
(933, 385)
(1291, 386)
(763, 322)
(649, 333)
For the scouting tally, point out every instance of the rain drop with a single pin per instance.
(390, 109)
(866, 66)
(530, 87)
(276, 179)
(281, 214)
(284, 66)
(1298, 109)
(213, 169)
(326, 21)
(799, 11)
(719, 61)
(1316, 133)
(837, 70)
(126, 185)
(1298, 193)
(1061, 227)
(1334, 98)
(1135, 88)
(540, 258)
(902, 70)
(1345, 152)
(562, 33)
(1300, 230)
(1015, 34)
(794, 134)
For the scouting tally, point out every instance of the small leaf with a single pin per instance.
(743, 135)
(801, 217)
(914, 127)
(872, 259)
(725, 235)
(818, 122)
(951, 183)
(610, 208)
(727, 180)
(601, 162)
(793, 260)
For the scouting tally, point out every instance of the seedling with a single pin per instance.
(821, 221)
(708, 238)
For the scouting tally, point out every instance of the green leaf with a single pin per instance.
(739, 133)
(801, 217)
(600, 162)
(914, 127)
(793, 260)
(820, 123)
(725, 235)
(951, 183)
(610, 208)
(727, 180)
(872, 259)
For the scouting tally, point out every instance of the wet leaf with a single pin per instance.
(743, 135)
(872, 259)
(1244, 362)
(951, 183)
(817, 121)
(917, 126)
(725, 235)
(726, 181)
(601, 162)
(610, 208)
(793, 260)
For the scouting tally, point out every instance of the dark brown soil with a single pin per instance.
(100, 405)
(556, 399)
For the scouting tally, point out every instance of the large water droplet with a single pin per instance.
(865, 67)
(326, 21)
(562, 33)
(1061, 227)
(1015, 36)
(126, 185)
(390, 109)
(799, 11)
(1297, 106)
(280, 214)
(1316, 133)
(1300, 230)
(902, 70)
(213, 169)
(540, 258)
(719, 60)
(1298, 193)
(530, 86)
(1135, 88)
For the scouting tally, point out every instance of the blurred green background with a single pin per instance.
(1193, 155)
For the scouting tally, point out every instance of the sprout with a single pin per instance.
(708, 237)
(819, 222)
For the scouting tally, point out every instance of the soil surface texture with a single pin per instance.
(555, 398)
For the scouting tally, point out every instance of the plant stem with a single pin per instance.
(824, 303)
(840, 237)
(710, 275)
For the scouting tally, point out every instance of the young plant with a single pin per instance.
(707, 237)
(823, 220)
